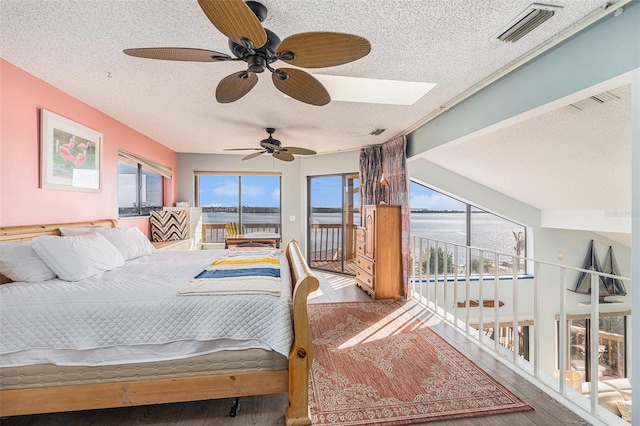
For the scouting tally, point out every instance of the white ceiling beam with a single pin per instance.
(618, 221)
(599, 53)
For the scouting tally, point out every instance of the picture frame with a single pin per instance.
(70, 155)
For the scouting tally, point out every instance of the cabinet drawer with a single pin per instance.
(365, 264)
(364, 286)
(366, 279)
(360, 248)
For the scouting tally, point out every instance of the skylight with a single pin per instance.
(374, 91)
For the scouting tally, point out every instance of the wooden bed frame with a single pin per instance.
(210, 386)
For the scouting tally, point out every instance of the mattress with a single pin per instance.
(133, 314)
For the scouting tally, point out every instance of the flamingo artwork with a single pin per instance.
(65, 153)
(80, 159)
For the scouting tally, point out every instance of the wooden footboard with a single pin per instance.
(301, 355)
(211, 386)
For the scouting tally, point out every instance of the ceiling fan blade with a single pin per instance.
(255, 154)
(284, 156)
(298, 151)
(301, 85)
(234, 86)
(236, 20)
(178, 54)
(323, 49)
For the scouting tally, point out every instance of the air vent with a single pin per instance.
(592, 101)
(376, 132)
(526, 22)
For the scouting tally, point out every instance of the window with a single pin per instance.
(439, 217)
(612, 336)
(250, 200)
(140, 185)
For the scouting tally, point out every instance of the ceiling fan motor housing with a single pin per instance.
(257, 58)
(258, 9)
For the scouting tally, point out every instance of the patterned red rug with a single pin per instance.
(376, 364)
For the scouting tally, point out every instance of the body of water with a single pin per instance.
(488, 231)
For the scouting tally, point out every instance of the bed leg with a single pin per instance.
(234, 408)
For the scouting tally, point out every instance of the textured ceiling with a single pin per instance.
(557, 160)
(77, 47)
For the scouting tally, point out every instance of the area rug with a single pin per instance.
(376, 364)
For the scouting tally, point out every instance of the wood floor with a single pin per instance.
(269, 409)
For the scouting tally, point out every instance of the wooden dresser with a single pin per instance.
(378, 252)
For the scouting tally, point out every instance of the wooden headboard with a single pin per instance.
(27, 232)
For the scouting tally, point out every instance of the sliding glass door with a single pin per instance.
(334, 214)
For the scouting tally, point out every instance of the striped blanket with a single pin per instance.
(254, 272)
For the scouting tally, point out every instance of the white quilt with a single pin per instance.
(134, 314)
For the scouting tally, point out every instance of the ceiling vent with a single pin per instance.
(376, 132)
(527, 21)
(592, 101)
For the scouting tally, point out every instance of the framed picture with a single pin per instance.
(70, 155)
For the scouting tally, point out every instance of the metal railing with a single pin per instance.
(325, 242)
(486, 304)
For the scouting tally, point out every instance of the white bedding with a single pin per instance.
(133, 314)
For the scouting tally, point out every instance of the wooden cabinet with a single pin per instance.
(378, 252)
(171, 245)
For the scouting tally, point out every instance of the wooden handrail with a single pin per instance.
(215, 232)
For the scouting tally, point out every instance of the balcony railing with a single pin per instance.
(215, 232)
(611, 350)
(325, 240)
(492, 306)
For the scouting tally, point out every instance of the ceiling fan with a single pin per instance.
(274, 147)
(260, 47)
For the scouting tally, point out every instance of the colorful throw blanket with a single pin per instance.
(255, 272)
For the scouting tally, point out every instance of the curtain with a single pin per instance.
(370, 175)
(134, 159)
(394, 167)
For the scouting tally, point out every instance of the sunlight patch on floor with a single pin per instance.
(338, 282)
(393, 323)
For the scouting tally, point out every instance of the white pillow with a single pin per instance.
(72, 232)
(75, 258)
(130, 242)
(20, 262)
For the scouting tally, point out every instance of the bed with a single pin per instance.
(161, 373)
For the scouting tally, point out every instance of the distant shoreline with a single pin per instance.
(250, 209)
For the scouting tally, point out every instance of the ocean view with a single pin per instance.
(489, 231)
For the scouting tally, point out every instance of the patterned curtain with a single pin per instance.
(370, 175)
(394, 167)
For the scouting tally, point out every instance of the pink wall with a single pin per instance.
(22, 202)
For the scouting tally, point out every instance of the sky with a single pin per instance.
(421, 197)
(222, 190)
(326, 191)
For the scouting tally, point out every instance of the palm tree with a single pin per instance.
(519, 247)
